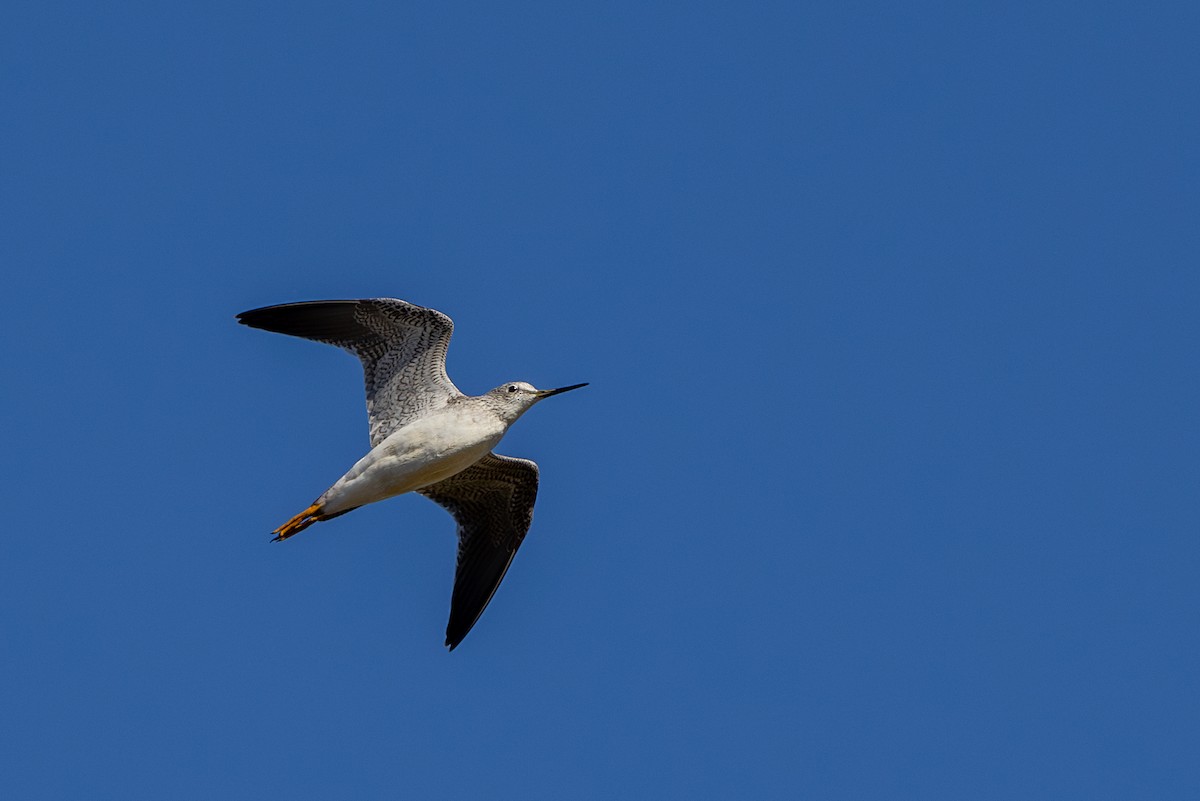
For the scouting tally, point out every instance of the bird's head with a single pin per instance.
(517, 397)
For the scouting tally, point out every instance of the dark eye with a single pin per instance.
(512, 387)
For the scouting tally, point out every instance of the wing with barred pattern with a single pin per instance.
(492, 502)
(402, 348)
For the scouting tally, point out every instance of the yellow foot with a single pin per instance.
(298, 523)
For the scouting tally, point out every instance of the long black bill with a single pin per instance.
(545, 393)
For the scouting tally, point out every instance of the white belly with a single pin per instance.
(422, 453)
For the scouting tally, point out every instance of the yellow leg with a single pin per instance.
(298, 523)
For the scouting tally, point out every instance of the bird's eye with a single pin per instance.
(512, 387)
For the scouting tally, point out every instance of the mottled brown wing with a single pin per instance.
(492, 501)
(402, 348)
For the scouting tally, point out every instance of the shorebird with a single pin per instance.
(426, 437)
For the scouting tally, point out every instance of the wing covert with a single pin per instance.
(492, 502)
(402, 348)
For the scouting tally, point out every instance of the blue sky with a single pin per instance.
(884, 485)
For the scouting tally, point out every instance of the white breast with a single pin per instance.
(421, 453)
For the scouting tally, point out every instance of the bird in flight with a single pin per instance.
(426, 437)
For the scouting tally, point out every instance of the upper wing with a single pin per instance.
(492, 501)
(402, 348)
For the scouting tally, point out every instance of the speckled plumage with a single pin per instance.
(402, 348)
(426, 437)
(492, 502)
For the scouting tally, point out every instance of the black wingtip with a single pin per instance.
(322, 320)
(247, 317)
(455, 638)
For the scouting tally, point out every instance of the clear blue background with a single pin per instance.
(885, 485)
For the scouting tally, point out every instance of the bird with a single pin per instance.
(426, 437)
